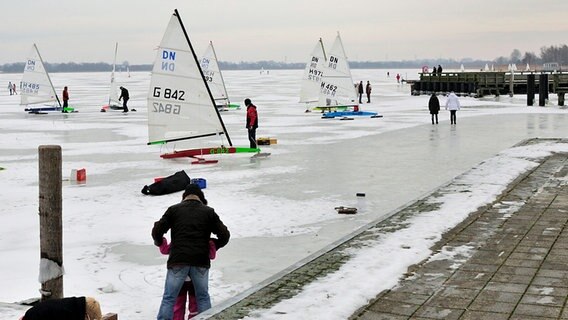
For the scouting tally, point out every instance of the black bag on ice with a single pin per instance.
(174, 183)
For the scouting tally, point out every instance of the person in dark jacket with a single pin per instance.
(191, 223)
(360, 90)
(434, 106)
(368, 91)
(125, 97)
(252, 122)
(72, 308)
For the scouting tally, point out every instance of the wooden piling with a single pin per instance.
(530, 89)
(50, 216)
(542, 89)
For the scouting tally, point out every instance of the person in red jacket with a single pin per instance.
(252, 122)
(65, 99)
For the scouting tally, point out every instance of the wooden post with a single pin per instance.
(542, 89)
(512, 83)
(530, 89)
(50, 219)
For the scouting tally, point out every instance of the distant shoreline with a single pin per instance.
(266, 65)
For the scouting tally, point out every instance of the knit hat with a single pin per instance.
(247, 101)
(195, 190)
(92, 309)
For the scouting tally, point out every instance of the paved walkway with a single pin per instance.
(518, 269)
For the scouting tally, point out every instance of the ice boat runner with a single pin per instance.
(337, 87)
(212, 73)
(180, 103)
(36, 88)
(313, 74)
(113, 103)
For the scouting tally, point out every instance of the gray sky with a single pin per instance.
(251, 30)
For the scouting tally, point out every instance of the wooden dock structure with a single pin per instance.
(482, 83)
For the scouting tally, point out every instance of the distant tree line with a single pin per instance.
(558, 54)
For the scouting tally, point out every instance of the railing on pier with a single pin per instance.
(482, 83)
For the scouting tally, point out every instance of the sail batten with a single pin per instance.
(180, 103)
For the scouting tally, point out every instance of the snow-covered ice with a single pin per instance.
(279, 210)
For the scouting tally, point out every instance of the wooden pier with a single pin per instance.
(482, 83)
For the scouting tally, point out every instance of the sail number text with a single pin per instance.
(166, 108)
(168, 93)
(328, 89)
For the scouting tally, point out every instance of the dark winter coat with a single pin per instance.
(72, 308)
(191, 224)
(252, 117)
(124, 94)
(434, 104)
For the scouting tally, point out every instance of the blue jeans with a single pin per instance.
(174, 281)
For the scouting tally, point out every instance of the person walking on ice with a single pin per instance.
(368, 91)
(10, 88)
(434, 107)
(452, 104)
(124, 96)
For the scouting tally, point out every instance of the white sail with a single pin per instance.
(212, 73)
(180, 105)
(36, 86)
(113, 90)
(337, 87)
(313, 74)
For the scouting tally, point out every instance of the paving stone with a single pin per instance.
(439, 313)
(552, 291)
(543, 300)
(512, 278)
(550, 282)
(403, 297)
(536, 311)
(371, 315)
(449, 302)
(522, 271)
(498, 296)
(480, 315)
(394, 307)
(553, 273)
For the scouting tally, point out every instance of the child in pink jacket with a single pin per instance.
(187, 288)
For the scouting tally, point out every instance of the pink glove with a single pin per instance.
(212, 250)
(164, 247)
